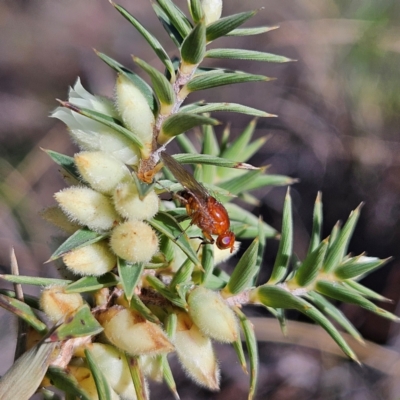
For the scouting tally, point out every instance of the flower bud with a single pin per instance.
(87, 207)
(112, 363)
(128, 203)
(212, 315)
(134, 241)
(94, 259)
(57, 304)
(130, 332)
(212, 10)
(86, 381)
(134, 110)
(195, 353)
(55, 216)
(92, 135)
(102, 171)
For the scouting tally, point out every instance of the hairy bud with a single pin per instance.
(212, 10)
(212, 315)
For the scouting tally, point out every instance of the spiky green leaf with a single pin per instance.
(241, 54)
(81, 238)
(364, 291)
(317, 224)
(161, 288)
(194, 46)
(151, 40)
(227, 24)
(33, 280)
(357, 266)
(137, 304)
(162, 87)
(196, 11)
(183, 274)
(211, 160)
(65, 162)
(251, 31)
(91, 283)
(103, 387)
(230, 107)
(181, 122)
(285, 245)
(167, 24)
(129, 275)
(176, 16)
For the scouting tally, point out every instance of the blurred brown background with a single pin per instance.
(337, 131)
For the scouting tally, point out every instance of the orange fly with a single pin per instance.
(204, 210)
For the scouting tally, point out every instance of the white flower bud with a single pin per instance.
(102, 171)
(95, 259)
(94, 136)
(115, 368)
(87, 207)
(129, 205)
(57, 304)
(59, 219)
(134, 110)
(212, 315)
(129, 331)
(86, 381)
(212, 10)
(195, 353)
(134, 241)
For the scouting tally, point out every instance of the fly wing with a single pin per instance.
(185, 178)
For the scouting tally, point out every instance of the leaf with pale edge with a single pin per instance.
(129, 275)
(92, 283)
(241, 54)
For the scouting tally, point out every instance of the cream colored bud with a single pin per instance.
(128, 203)
(112, 363)
(102, 171)
(57, 304)
(86, 381)
(212, 10)
(95, 259)
(134, 109)
(55, 216)
(87, 207)
(195, 353)
(130, 332)
(134, 241)
(212, 315)
(101, 297)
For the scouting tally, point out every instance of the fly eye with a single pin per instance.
(226, 240)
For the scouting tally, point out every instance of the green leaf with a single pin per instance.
(136, 79)
(24, 377)
(216, 79)
(339, 247)
(137, 304)
(81, 238)
(334, 234)
(365, 291)
(81, 323)
(138, 378)
(105, 120)
(31, 301)
(167, 24)
(211, 160)
(237, 345)
(245, 270)
(317, 224)
(92, 283)
(328, 308)
(151, 40)
(129, 275)
(166, 224)
(245, 223)
(357, 266)
(311, 266)
(230, 107)
(64, 380)
(181, 122)
(143, 188)
(165, 292)
(103, 387)
(162, 87)
(33, 280)
(277, 297)
(66, 162)
(261, 248)
(227, 24)
(194, 46)
(286, 244)
(251, 31)
(252, 349)
(340, 292)
(209, 147)
(168, 377)
(176, 16)
(183, 274)
(207, 261)
(22, 310)
(196, 11)
(240, 54)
